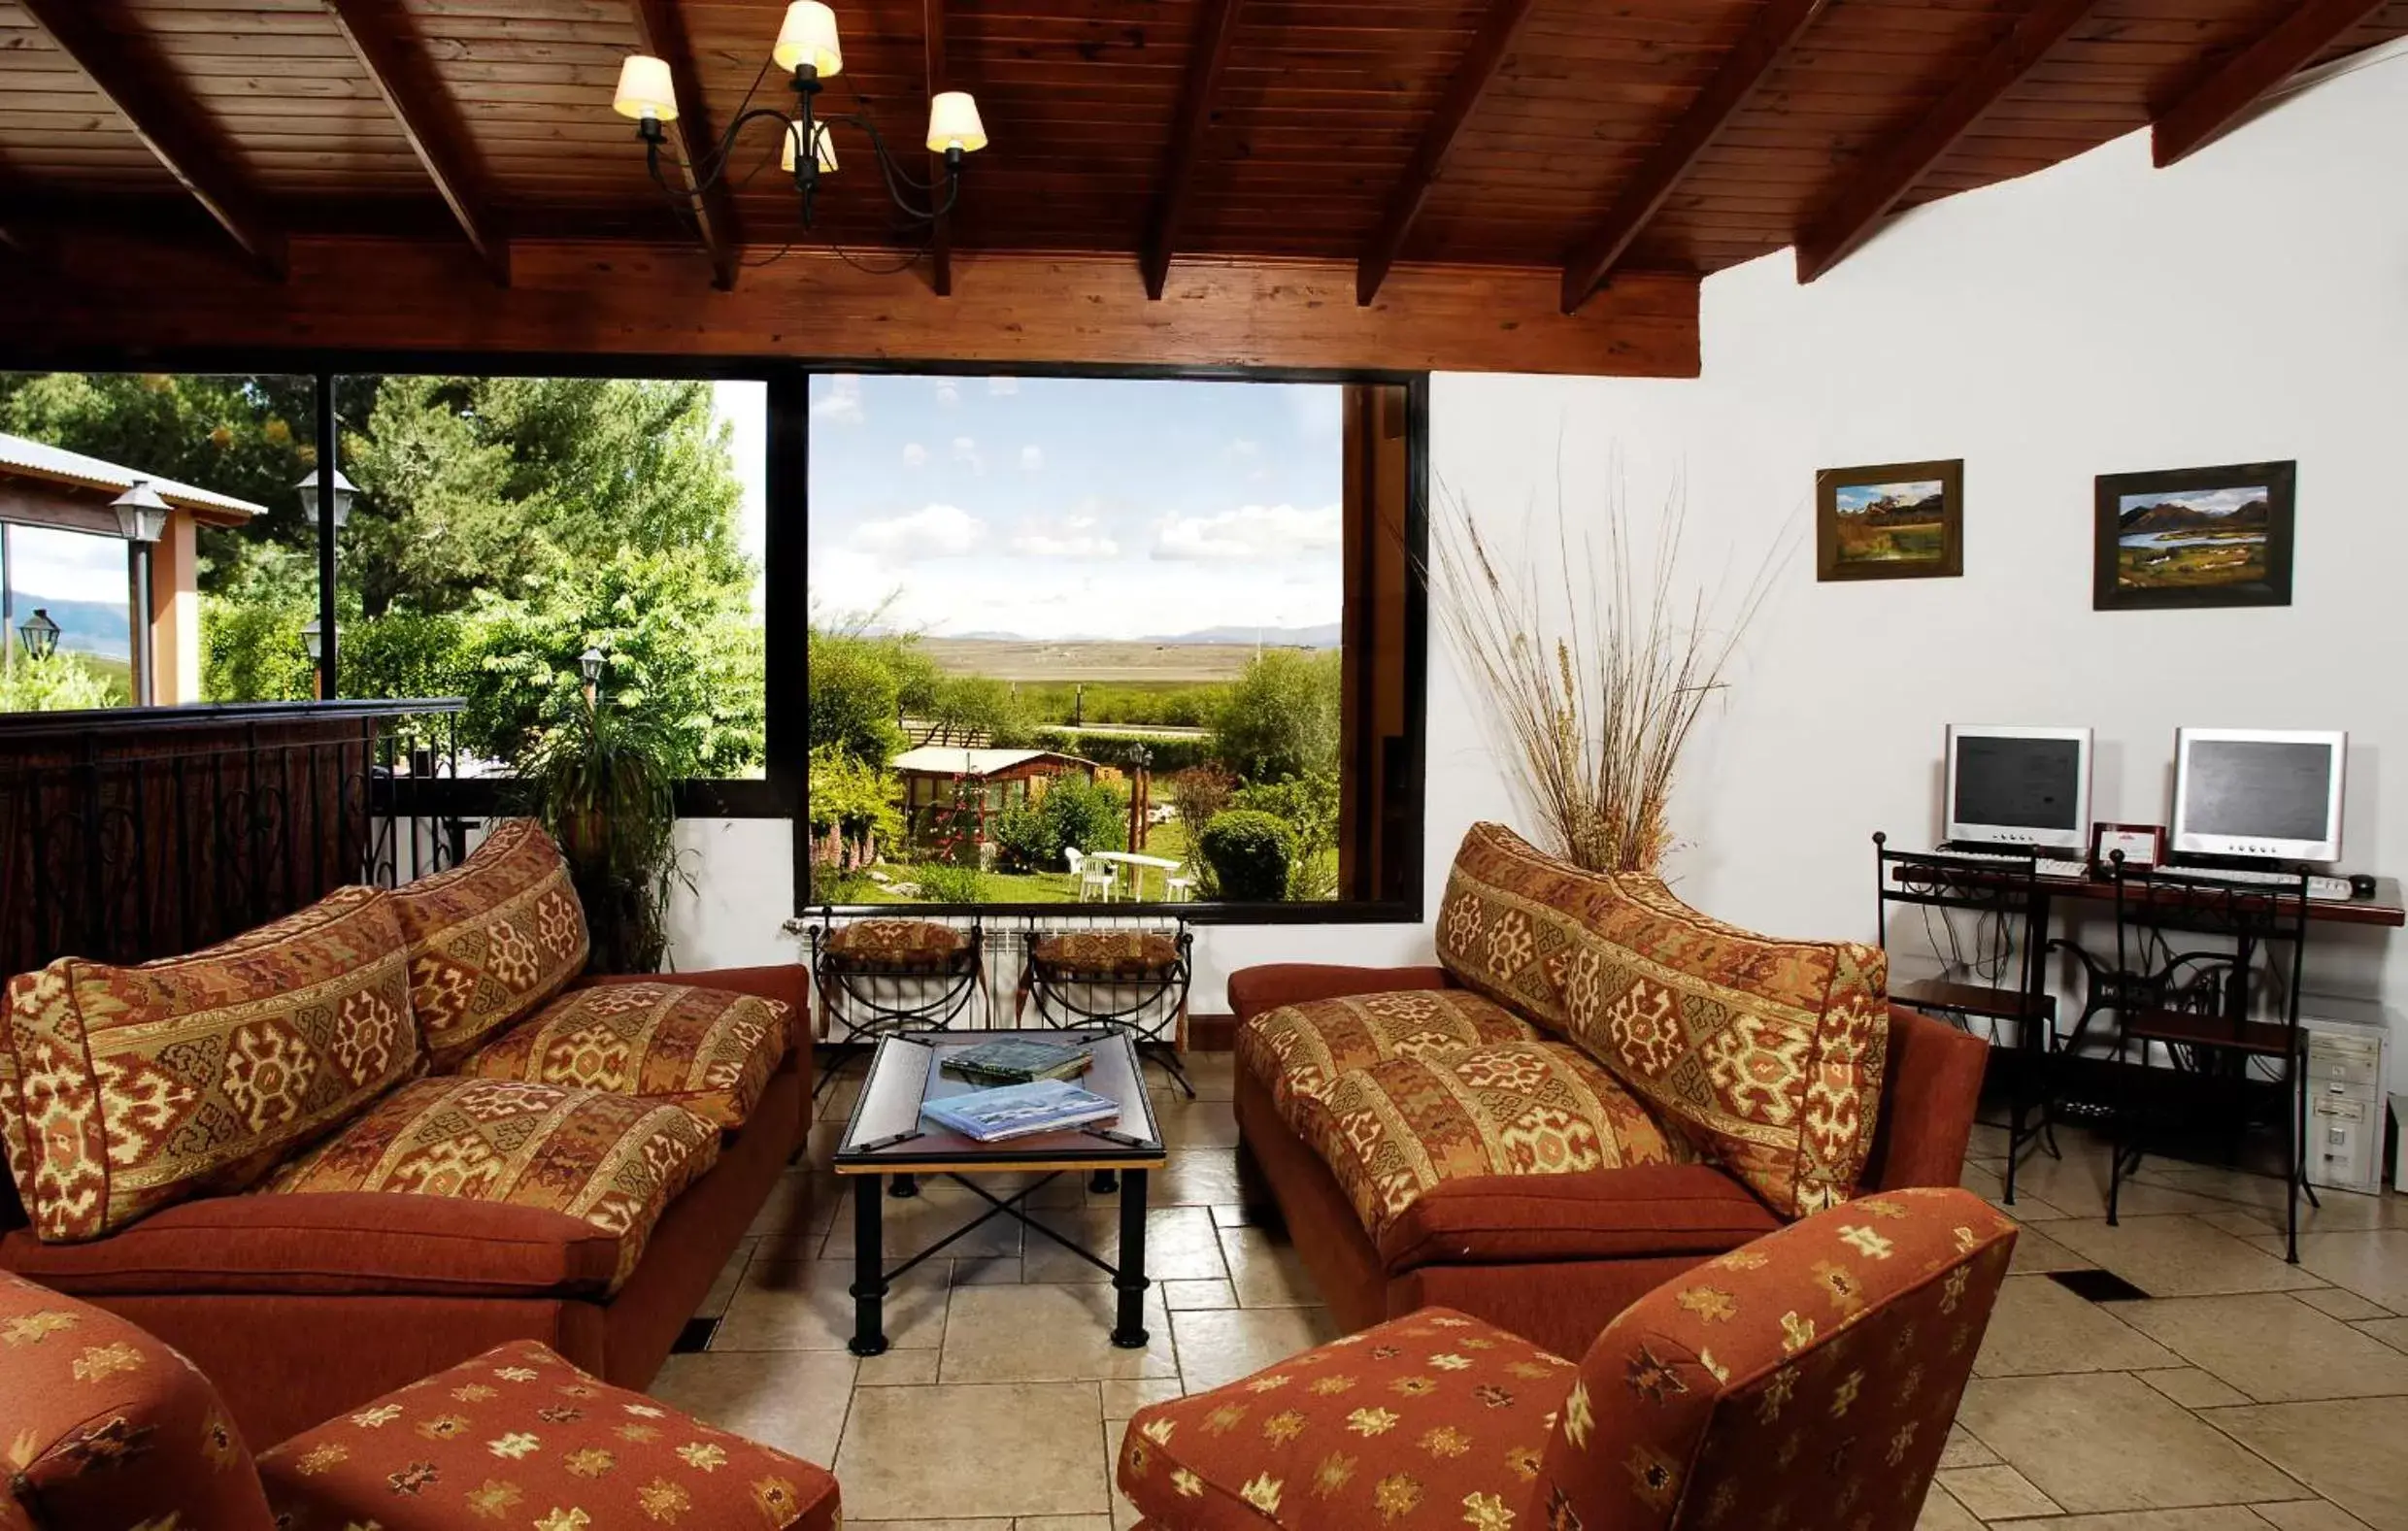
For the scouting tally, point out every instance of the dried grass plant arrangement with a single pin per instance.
(1595, 668)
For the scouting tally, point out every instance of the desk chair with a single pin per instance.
(2005, 893)
(877, 976)
(2194, 1001)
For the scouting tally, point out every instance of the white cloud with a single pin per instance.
(915, 455)
(947, 392)
(842, 402)
(1003, 388)
(1242, 449)
(966, 449)
(1032, 458)
(1251, 532)
(1064, 537)
(937, 531)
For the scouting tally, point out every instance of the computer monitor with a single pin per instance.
(2258, 792)
(2020, 787)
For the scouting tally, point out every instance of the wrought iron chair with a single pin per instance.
(2196, 1003)
(876, 976)
(1129, 979)
(2004, 893)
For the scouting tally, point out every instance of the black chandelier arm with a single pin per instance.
(901, 183)
(707, 175)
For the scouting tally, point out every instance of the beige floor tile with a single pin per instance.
(2035, 1253)
(1964, 1450)
(2039, 1327)
(910, 1224)
(2178, 1256)
(988, 1270)
(1048, 1333)
(2392, 1332)
(1986, 1142)
(2271, 1347)
(1196, 1124)
(2339, 1302)
(2309, 1514)
(2204, 1517)
(1266, 1270)
(1005, 1524)
(1124, 1396)
(1213, 1074)
(790, 1204)
(2106, 1441)
(2192, 1387)
(1996, 1492)
(1942, 1513)
(1183, 1296)
(2374, 1264)
(2346, 1450)
(723, 1286)
(1196, 1176)
(897, 1369)
(2077, 1186)
(1221, 1346)
(1123, 1513)
(807, 1305)
(1017, 1448)
(795, 1402)
(1180, 1245)
(1062, 1523)
(2258, 1199)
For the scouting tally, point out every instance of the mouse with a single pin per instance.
(2362, 885)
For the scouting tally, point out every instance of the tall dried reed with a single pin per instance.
(1595, 668)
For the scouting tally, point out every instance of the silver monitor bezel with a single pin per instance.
(2076, 838)
(2187, 843)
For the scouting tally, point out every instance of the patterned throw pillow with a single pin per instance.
(1392, 1131)
(1768, 1052)
(491, 940)
(1297, 1051)
(709, 1051)
(894, 944)
(137, 1087)
(613, 1161)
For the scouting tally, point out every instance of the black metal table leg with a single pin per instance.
(1100, 1182)
(869, 1267)
(902, 1188)
(1128, 1330)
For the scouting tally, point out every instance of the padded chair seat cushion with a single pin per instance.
(128, 1089)
(518, 1437)
(711, 1050)
(894, 944)
(612, 1160)
(1433, 1420)
(491, 940)
(1639, 1211)
(1393, 1131)
(1298, 1050)
(1107, 953)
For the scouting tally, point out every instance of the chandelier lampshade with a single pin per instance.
(645, 91)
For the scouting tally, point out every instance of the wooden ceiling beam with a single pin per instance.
(941, 233)
(1851, 217)
(660, 31)
(1472, 73)
(1768, 37)
(374, 29)
(1208, 55)
(2214, 106)
(167, 124)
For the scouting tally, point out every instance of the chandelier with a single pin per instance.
(807, 48)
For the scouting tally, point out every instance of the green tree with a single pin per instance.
(853, 697)
(59, 683)
(1280, 718)
(1308, 806)
(977, 703)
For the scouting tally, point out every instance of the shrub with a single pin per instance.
(941, 884)
(1197, 794)
(1281, 718)
(1025, 840)
(1085, 815)
(1163, 751)
(1308, 806)
(1250, 855)
(62, 683)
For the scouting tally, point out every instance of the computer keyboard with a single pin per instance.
(2324, 888)
(2065, 869)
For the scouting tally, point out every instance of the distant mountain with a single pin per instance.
(2173, 515)
(1893, 510)
(92, 627)
(1323, 635)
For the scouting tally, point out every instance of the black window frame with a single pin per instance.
(782, 790)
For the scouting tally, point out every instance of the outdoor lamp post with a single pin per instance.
(589, 666)
(314, 643)
(343, 490)
(39, 634)
(142, 515)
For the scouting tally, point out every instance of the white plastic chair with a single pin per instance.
(1094, 875)
(1179, 884)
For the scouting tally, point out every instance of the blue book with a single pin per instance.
(1015, 1110)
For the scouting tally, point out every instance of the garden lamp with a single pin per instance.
(589, 665)
(313, 640)
(39, 634)
(142, 515)
(343, 490)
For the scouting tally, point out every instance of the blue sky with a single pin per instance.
(1855, 497)
(2213, 502)
(1072, 507)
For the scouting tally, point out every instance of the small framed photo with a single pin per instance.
(1891, 521)
(2194, 537)
(2143, 844)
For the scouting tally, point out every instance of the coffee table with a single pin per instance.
(888, 1136)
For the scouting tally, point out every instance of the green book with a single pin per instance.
(1017, 1061)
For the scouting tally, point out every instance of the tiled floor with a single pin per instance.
(2242, 1393)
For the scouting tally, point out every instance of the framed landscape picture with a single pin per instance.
(2194, 537)
(1892, 520)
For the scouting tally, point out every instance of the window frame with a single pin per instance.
(781, 791)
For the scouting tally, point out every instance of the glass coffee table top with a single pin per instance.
(887, 1135)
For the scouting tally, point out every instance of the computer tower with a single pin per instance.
(2348, 1046)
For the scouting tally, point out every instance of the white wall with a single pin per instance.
(2100, 316)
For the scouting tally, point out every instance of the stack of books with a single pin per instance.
(1019, 1062)
(1017, 1110)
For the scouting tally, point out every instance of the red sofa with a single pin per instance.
(1552, 1256)
(303, 1297)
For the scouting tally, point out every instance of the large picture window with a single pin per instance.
(1108, 640)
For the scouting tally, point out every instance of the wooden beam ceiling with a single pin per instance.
(1208, 55)
(660, 31)
(165, 121)
(1768, 37)
(1472, 73)
(941, 235)
(1852, 215)
(2211, 108)
(378, 32)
